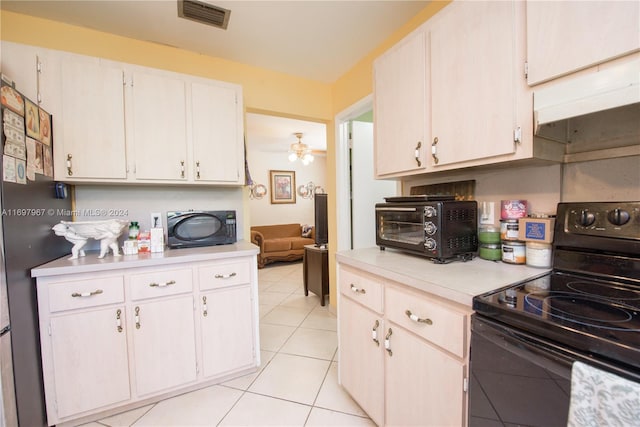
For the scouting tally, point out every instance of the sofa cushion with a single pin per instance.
(277, 244)
(280, 230)
(300, 242)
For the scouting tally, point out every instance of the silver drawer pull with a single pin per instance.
(358, 290)
(86, 294)
(387, 342)
(119, 320)
(137, 317)
(374, 333)
(204, 306)
(415, 318)
(162, 285)
(224, 276)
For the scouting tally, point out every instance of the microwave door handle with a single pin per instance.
(396, 209)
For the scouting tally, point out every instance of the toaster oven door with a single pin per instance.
(400, 227)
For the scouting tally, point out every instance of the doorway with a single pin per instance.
(357, 191)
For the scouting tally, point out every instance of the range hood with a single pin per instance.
(589, 93)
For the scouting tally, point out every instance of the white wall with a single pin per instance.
(262, 212)
(545, 186)
(136, 203)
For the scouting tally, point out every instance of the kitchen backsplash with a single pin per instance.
(544, 186)
(136, 203)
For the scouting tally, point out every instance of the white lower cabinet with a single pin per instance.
(111, 341)
(164, 344)
(89, 348)
(403, 355)
(226, 326)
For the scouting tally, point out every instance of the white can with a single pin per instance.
(513, 252)
(538, 254)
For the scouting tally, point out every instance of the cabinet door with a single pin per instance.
(361, 358)
(218, 149)
(400, 108)
(424, 386)
(19, 63)
(164, 344)
(566, 36)
(159, 127)
(472, 88)
(227, 330)
(92, 137)
(90, 363)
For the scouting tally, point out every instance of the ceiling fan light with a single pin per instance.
(292, 157)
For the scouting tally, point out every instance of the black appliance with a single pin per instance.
(29, 211)
(525, 337)
(200, 228)
(436, 227)
(321, 219)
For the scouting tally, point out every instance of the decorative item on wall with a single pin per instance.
(283, 184)
(308, 190)
(300, 150)
(257, 191)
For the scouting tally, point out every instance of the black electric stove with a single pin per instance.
(590, 301)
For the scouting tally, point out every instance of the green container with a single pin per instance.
(489, 234)
(492, 252)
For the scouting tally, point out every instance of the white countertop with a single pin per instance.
(456, 281)
(91, 263)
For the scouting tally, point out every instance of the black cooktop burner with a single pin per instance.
(597, 316)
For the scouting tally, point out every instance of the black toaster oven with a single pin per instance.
(437, 227)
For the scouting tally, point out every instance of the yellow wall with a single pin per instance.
(264, 90)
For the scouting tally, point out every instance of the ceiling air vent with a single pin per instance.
(204, 13)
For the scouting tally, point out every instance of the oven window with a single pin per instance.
(515, 383)
(197, 227)
(405, 227)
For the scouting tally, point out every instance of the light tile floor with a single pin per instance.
(297, 384)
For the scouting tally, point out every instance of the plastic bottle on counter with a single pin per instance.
(134, 230)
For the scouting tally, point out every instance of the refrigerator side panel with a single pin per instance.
(29, 242)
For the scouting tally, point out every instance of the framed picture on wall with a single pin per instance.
(283, 186)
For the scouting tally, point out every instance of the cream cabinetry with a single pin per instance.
(563, 37)
(163, 329)
(403, 353)
(224, 306)
(159, 126)
(361, 338)
(114, 340)
(121, 123)
(81, 331)
(90, 134)
(400, 104)
(473, 89)
(478, 104)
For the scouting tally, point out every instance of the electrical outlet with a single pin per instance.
(487, 213)
(156, 220)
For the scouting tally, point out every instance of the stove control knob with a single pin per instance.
(430, 212)
(430, 228)
(618, 217)
(586, 218)
(430, 244)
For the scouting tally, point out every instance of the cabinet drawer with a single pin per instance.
(430, 319)
(161, 283)
(361, 287)
(86, 293)
(219, 275)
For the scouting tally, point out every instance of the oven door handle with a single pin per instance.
(556, 358)
(396, 209)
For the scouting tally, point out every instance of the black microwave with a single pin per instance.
(200, 228)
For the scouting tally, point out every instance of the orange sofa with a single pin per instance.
(282, 242)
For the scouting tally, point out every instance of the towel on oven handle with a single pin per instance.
(600, 398)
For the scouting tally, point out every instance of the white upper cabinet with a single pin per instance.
(217, 133)
(400, 108)
(121, 123)
(90, 131)
(472, 82)
(159, 127)
(566, 36)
